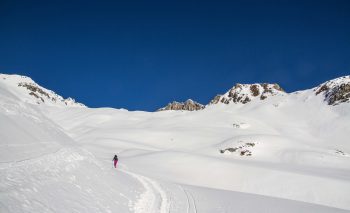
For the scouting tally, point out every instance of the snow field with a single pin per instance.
(68, 180)
(59, 158)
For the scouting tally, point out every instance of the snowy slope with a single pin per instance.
(44, 170)
(294, 158)
(25, 131)
(287, 153)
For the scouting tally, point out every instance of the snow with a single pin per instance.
(55, 158)
(153, 199)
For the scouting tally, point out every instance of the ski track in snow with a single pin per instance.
(191, 203)
(154, 199)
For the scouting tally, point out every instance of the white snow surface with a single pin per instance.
(59, 159)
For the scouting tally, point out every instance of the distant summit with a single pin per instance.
(245, 93)
(335, 91)
(240, 93)
(188, 105)
(25, 89)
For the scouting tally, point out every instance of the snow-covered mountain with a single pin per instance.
(285, 153)
(245, 93)
(335, 91)
(188, 105)
(26, 90)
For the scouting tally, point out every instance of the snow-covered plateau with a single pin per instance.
(254, 149)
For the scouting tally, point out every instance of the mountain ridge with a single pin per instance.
(335, 91)
(29, 91)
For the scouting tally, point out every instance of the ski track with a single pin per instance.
(154, 199)
(191, 203)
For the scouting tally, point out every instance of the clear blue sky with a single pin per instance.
(144, 54)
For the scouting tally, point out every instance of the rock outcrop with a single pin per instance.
(188, 105)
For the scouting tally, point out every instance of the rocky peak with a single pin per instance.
(188, 105)
(335, 91)
(244, 93)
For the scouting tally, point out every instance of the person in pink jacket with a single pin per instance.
(115, 160)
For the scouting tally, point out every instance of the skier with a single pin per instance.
(115, 159)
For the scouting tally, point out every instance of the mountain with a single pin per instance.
(188, 105)
(245, 93)
(335, 91)
(26, 90)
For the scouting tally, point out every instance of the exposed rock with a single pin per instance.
(215, 100)
(335, 91)
(35, 90)
(242, 149)
(188, 105)
(246, 153)
(322, 89)
(254, 90)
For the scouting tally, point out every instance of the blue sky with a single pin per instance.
(140, 55)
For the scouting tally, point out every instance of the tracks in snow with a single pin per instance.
(191, 202)
(154, 199)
